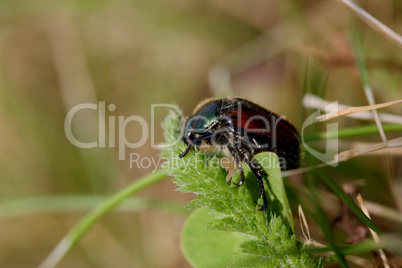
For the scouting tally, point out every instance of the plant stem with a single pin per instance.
(82, 203)
(78, 232)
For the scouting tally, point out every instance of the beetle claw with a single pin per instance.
(241, 179)
(258, 173)
(261, 208)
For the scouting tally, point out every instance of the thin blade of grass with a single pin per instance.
(350, 132)
(79, 230)
(327, 180)
(351, 249)
(373, 234)
(64, 204)
(374, 23)
(361, 65)
(321, 220)
(313, 101)
(345, 155)
(351, 110)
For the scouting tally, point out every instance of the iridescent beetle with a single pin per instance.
(244, 129)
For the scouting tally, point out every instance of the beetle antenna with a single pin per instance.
(191, 143)
(186, 151)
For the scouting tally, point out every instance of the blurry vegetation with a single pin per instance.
(55, 55)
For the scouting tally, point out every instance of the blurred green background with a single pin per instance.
(57, 54)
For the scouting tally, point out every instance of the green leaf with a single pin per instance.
(249, 260)
(200, 246)
(268, 235)
(274, 186)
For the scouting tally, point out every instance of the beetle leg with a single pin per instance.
(191, 143)
(237, 159)
(258, 173)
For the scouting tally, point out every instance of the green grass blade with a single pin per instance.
(322, 221)
(327, 180)
(79, 231)
(350, 132)
(79, 203)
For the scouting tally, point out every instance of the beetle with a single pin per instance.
(243, 129)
